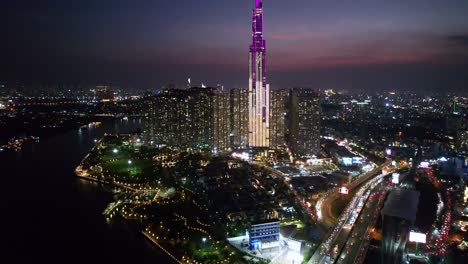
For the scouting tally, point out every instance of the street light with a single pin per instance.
(115, 151)
(129, 162)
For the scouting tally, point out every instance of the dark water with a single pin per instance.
(49, 215)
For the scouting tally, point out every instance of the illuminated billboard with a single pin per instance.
(396, 178)
(417, 237)
(344, 190)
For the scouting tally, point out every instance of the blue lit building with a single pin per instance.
(264, 235)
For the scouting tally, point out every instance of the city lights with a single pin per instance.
(424, 165)
(356, 153)
(388, 152)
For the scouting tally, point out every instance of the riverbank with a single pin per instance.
(84, 175)
(62, 212)
(152, 201)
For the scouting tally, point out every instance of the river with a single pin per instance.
(51, 216)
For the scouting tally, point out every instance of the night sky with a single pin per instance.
(359, 44)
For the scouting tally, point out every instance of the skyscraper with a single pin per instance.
(201, 116)
(304, 115)
(277, 129)
(222, 120)
(167, 119)
(258, 88)
(239, 117)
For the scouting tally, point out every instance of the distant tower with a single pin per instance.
(259, 96)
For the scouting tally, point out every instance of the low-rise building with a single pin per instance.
(264, 235)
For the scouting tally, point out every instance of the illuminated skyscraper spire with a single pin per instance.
(258, 88)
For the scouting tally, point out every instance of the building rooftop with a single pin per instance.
(402, 203)
(265, 221)
(343, 152)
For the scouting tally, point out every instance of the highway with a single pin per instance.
(329, 250)
(356, 245)
(323, 208)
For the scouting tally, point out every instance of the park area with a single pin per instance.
(120, 158)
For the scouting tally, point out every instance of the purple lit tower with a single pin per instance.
(258, 88)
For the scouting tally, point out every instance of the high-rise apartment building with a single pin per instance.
(239, 117)
(170, 115)
(201, 117)
(304, 116)
(222, 120)
(195, 118)
(278, 102)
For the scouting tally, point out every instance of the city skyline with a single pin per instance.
(167, 132)
(419, 45)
